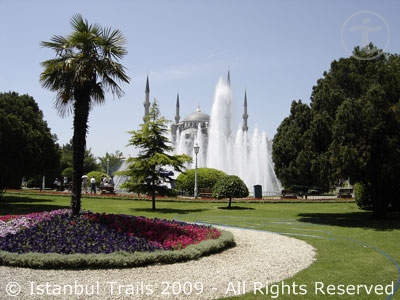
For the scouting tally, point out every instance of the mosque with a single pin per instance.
(247, 155)
(189, 126)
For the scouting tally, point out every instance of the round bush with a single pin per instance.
(206, 178)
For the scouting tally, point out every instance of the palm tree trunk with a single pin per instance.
(81, 115)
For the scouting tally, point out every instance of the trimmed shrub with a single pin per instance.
(230, 186)
(206, 178)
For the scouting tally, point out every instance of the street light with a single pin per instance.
(196, 151)
(108, 165)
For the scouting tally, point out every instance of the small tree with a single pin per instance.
(148, 171)
(230, 186)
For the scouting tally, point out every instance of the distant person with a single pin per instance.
(92, 185)
(57, 184)
(84, 183)
(65, 182)
(111, 181)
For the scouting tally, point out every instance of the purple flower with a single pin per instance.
(61, 232)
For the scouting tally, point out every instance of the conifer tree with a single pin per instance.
(152, 167)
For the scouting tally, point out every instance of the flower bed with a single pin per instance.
(92, 233)
(60, 240)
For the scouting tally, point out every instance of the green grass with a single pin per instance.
(352, 248)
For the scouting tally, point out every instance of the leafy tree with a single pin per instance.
(150, 169)
(67, 172)
(86, 66)
(230, 186)
(365, 122)
(111, 162)
(365, 146)
(66, 160)
(27, 147)
(206, 179)
(354, 131)
(89, 162)
(289, 151)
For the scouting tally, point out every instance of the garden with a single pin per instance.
(352, 248)
(60, 239)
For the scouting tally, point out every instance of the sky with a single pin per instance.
(275, 50)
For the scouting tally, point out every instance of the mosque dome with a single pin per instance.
(197, 116)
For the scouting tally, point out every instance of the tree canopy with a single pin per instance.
(290, 153)
(230, 186)
(89, 163)
(151, 168)
(27, 147)
(85, 68)
(111, 162)
(353, 132)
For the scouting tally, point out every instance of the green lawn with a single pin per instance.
(352, 249)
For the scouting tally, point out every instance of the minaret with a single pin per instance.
(177, 116)
(174, 126)
(229, 78)
(245, 115)
(146, 102)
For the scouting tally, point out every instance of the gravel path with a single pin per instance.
(260, 258)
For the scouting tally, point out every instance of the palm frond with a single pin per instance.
(86, 60)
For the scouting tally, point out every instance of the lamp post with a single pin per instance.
(196, 151)
(108, 165)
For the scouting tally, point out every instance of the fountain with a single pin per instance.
(243, 154)
(120, 179)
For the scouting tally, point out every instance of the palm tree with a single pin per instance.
(85, 67)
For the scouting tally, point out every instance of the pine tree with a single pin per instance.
(151, 168)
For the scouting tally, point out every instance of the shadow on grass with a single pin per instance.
(26, 205)
(11, 199)
(169, 210)
(236, 208)
(362, 219)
